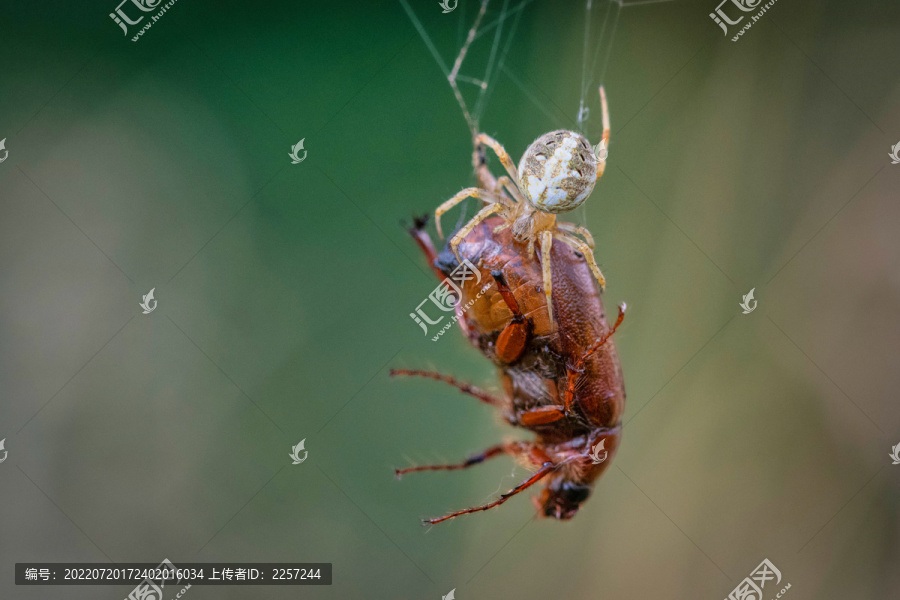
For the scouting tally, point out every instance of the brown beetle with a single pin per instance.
(561, 375)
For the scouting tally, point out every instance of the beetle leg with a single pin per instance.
(596, 345)
(542, 415)
(511, 449)
(545, 470)
(465, 388)
(512, 340)
(506, 294)
(546, 244)
(424, 242)
(417, 231)
(573, 374)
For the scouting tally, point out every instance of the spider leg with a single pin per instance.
(545, 469)
(466, 193)
(465, 388)
(578, 229)
(511, 187)
(511, 449)
(502, 154)
(546, 244)
(482, 214)
(515, 194)
(588, 255)
(601, 164)
(484, 176)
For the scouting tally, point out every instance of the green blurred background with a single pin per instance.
(284, 293)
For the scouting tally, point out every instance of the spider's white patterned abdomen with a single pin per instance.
(558, 171)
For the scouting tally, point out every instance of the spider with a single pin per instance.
(557, 173)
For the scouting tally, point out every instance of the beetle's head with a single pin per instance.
(558, 171)
(562, 498)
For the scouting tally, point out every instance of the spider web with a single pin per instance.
(495, 22)
(501, 28)
(595, 75)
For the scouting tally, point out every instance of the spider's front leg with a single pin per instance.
(480, 216)
(500, 151)
(466, 193)
(601, 162)
(504, 182)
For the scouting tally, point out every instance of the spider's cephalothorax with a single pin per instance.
(557, 173)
